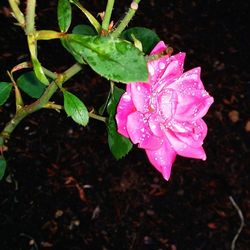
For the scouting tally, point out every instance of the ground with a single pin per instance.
(64, 190)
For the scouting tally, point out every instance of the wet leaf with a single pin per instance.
(83, 29)
(5, 89)
(3, 165)
(147, 37)
(75, 108)
(64, 15)
(113, 58)
(118, 144)
(66, 45)
(29, 84)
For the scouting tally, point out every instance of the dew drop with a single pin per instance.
(195, 112)
(126, 97)
(153, 126)
(151, 69)
(162, 65)
(138, 88)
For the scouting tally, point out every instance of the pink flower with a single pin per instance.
(164, 115)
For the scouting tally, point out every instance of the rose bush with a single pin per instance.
(164, 115)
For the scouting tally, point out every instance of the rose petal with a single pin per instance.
(160, 47)
(183, 148)
(154, 123)
(124, 108)
(190, 79)
(172, 69)
(192, 104)
(167, 101)
(139, 132)
(162, 158)
(140, 93)
(196, 134)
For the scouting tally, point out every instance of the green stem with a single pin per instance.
(125, 21)
(49, 73)
(17, 13)
(107, 16)
(97, 117)
(38, 104)
(30, 16)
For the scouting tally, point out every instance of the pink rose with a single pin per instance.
(163, 116)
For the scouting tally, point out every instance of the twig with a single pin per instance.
(32, 240)
(241, 224)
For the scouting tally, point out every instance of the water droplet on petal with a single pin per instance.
(138, 88)
(162, 65)
(151, 69)
(126, 97)
(195, 112)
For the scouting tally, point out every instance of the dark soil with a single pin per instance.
(63, 189)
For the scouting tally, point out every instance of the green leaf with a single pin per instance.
(3, 165)
(64, 15)
(113, 58)
(67, 46)
(118, 144)
(83, 29)
(147, 37)
(75, 108)
(29, 84)
(39, 71)
(5, 89)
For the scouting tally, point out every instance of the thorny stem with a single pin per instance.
(17, 13)
(107, 16)
(30, 16)
(38, 104)
(125, 21)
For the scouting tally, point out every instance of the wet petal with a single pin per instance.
(124, 108)
(160, 47)
(190, 79)
(183, 148)
(172, 69)
(192, 104)
(162, 158)
(156, 68)
(154, 123)
(139, 132)
(167, 101)
(195, 135)
(140, 93)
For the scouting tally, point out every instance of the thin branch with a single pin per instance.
(242, 222)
